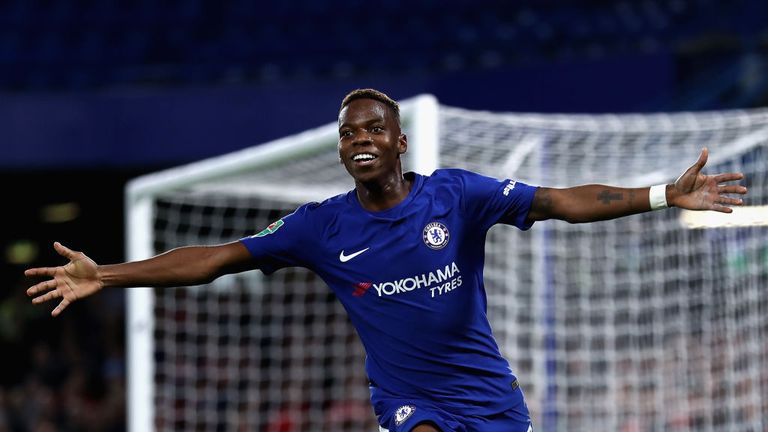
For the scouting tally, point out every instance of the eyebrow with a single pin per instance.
(366, 122)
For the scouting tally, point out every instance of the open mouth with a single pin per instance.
(364, 158)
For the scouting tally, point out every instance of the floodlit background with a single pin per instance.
(94, 93)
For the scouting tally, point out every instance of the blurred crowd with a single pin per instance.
(66, 376)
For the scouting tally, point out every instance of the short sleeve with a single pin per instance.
(488, 200)
(283, 243)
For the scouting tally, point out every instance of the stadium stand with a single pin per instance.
(76, 44)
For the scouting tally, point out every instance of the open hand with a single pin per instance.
(77, 279)
(696, 191)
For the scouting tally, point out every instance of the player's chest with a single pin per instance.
(382, 249)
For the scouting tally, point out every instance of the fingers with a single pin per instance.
(726, 177)
(41, 271)
(64, 251)
(42, 287)
(723, 200)
(721, 208)
(51, 286)
(723, 204)
(696, 168)
(47, 296)
(730, 201)
(703, 156)
(732, 189)
(53, 293)
(62, 305)
(51, 271)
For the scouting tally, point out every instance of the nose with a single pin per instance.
(361, 138)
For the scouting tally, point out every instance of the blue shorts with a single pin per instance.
(403, 416)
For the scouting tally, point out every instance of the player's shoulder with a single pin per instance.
(448, 185)
(312, 216)
(452, 173)
(328, 206)
(454, 176)
(334, 202)
(446, 173)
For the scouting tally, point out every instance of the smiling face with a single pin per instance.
(370, 141)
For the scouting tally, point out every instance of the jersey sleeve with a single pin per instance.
(284, 243)
(487, 200)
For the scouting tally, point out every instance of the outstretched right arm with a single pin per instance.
(189, 265)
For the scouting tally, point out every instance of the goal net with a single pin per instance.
(656, 321)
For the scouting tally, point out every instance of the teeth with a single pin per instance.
(363, 156)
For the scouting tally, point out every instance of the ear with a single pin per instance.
(402, 145)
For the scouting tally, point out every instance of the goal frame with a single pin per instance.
(629, 331)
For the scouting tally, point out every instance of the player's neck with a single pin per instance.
(383, 194)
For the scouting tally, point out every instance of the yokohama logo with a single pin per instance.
(361, 288)
(440, 278)
(439, 281)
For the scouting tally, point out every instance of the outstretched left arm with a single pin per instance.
(589, 203)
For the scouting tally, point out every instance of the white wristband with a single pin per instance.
(658, 197)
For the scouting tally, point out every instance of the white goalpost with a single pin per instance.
(656, 321)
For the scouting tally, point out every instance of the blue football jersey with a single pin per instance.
(411, 280)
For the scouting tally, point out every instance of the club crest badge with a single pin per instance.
(404, 413)
(436, 235)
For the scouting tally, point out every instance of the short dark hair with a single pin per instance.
(369, 93)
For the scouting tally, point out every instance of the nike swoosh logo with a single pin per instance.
(345, 258)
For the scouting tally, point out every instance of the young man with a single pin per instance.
(404, 254)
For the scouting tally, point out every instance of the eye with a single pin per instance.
(345, 134)
(377, 129)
